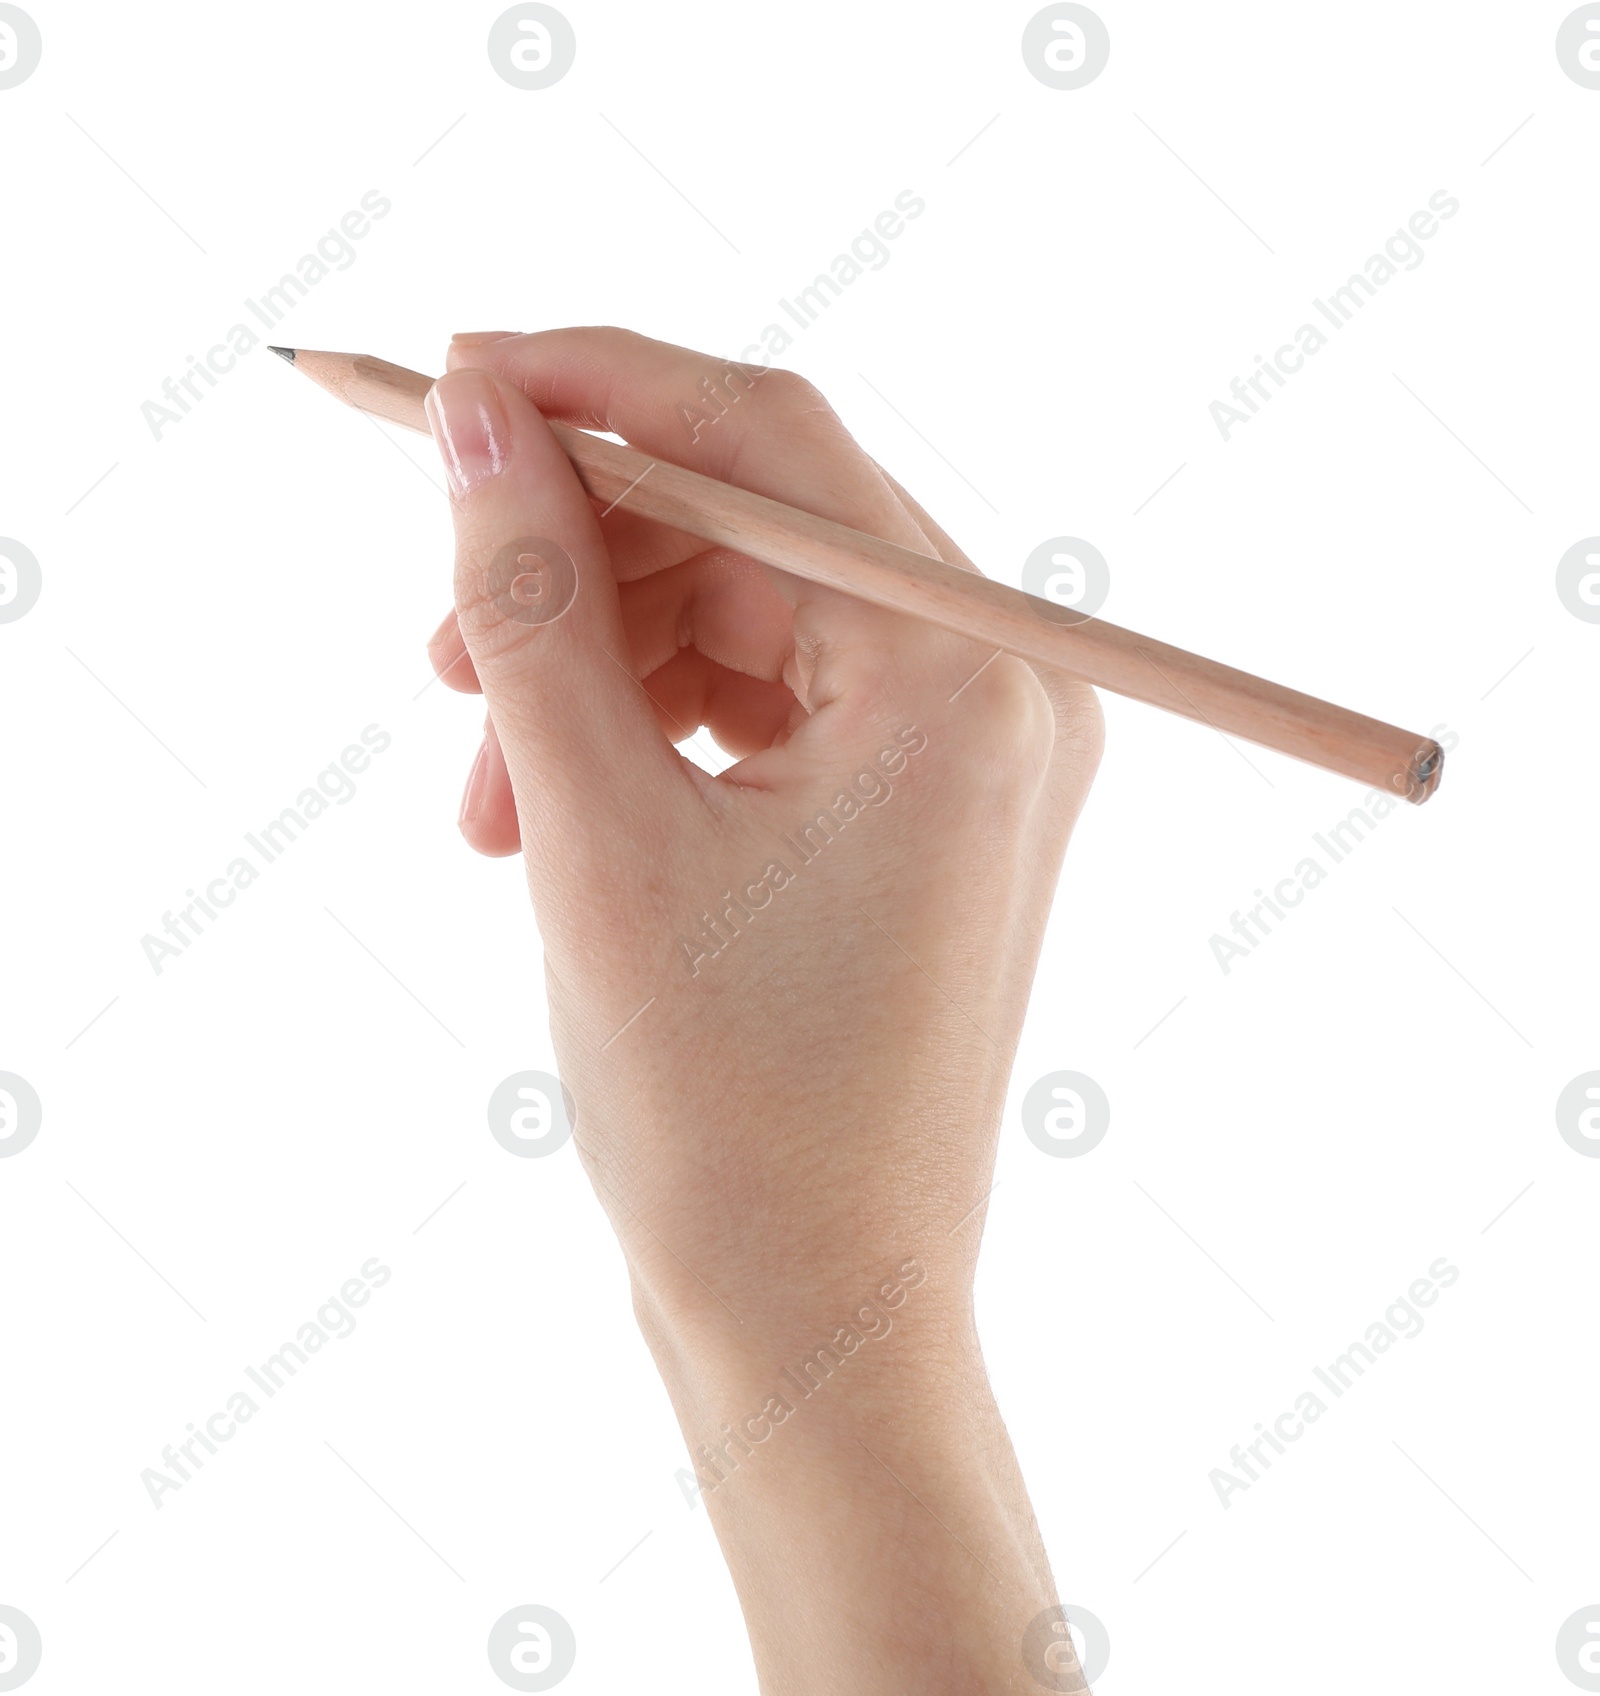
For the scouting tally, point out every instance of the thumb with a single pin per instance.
(537, 605)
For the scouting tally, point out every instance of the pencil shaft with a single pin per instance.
(1235, 703)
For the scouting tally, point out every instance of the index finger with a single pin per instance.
(762, 428)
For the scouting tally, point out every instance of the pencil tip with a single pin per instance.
(282, 352)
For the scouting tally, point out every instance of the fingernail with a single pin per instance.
(477, 783)
(470, 426)
(476, 338)
(447, 628)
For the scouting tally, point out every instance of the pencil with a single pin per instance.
(1235, 703)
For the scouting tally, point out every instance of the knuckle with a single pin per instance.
(1004, 728)
(489, 633)
(1080, 722)
(788, 395)
(507, 595)
(615, 335)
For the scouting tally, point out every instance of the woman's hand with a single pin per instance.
(785, 999)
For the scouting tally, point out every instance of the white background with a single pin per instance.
(230, 606)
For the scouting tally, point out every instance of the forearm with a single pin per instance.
(866, 1497)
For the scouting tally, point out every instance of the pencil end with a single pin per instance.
(1427, 767)
(282, 352)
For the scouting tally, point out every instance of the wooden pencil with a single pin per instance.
(1399, 762)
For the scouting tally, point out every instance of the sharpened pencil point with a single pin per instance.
(282, 352)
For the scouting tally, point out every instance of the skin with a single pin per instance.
(795, 1139)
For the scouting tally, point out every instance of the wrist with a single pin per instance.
(861, 1470)
(724, 1361)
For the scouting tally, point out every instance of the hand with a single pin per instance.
(785, 999)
